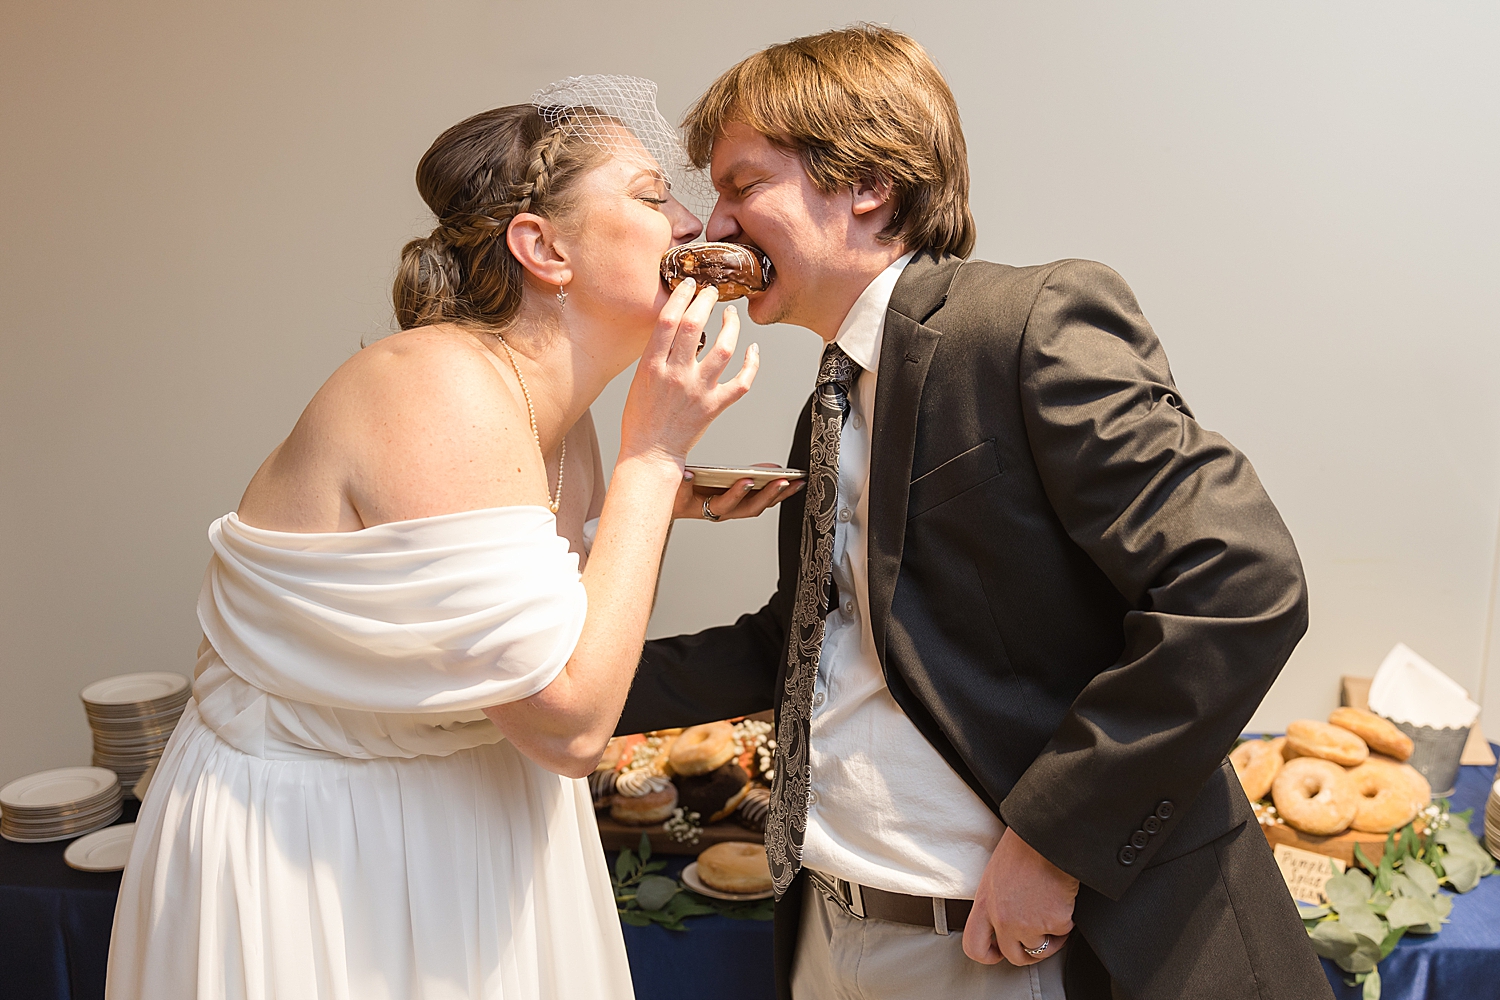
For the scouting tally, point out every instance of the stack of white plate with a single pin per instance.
(132, 717)
(1492, 821)
(60, 804)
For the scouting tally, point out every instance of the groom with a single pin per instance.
(1026, 602)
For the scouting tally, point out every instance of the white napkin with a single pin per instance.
(1408, 689)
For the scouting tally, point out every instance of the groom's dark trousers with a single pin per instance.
(1079, 596)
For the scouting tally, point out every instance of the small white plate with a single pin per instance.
(720, 477)
(692, 881)
(133, 689)
(104, 851)
(57, 788)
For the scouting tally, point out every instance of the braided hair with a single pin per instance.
(478, 176)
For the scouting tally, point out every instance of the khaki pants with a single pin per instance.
(840, 957)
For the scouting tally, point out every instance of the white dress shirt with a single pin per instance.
(885, 810)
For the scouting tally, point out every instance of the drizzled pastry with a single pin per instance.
(734, 269)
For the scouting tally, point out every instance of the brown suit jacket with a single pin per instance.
(1079, 596)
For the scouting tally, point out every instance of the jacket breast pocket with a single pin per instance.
(959, 474)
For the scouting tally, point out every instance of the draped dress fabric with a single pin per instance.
(334, 816)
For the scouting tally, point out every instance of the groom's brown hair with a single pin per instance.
(855, 103)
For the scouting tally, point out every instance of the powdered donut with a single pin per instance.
(1311, 738)
(1315, 796)
(1256, 763)
(1381, 734)
(1389, 798)
(642, 810)
(703, 748)
(735, 867)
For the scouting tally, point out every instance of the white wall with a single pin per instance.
(201, 205)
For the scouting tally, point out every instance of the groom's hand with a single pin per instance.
(1023, 901)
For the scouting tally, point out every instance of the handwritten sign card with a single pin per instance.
(1306, 872)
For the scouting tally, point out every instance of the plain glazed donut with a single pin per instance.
(703, 748)
(1315, 796)
(735, 867)
(1311, 738)
(1381, 734)
(1389, 798)
(1256, 764)
(643, 810)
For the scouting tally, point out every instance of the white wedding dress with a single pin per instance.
(334, 817)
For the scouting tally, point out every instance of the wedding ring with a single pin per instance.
(1039, 949)
(708, 514)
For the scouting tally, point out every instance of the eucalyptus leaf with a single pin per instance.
(1350, 890)
(1372, 985)
(1402, 885)
(1461, 872)
(635, 918)
(624, 865)
(1364, 922)
(1391, 940)
(1332, 940)
(645, 848)
(1409, 911)
(1366, 954)
(655, 891)
(1308, 913)
(652, 866)
(1422, 876)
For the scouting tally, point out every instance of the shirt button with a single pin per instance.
(818, 699)
(812, 798)
(849, 607)
(858, 421)
(845, 514)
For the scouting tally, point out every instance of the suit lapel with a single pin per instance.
(906, 353)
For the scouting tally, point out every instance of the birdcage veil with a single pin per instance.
(595, 107)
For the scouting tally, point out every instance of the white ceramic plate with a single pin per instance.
(105, 851)
(53, 789)
(692, 881)
(131, 689)
(720, 477)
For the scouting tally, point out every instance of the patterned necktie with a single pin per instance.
(786, 823)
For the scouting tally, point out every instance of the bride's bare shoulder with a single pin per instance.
(416, 424)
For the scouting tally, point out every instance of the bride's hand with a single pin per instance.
(675, 395)
(740, 500)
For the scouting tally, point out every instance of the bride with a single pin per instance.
(373, 793)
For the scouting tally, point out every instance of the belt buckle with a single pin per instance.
(846, 895)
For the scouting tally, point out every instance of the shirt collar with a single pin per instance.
(863, 329)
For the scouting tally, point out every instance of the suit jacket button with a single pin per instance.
(1164, 810)
(1152, 825)
(1127, 855)
(1139, 839)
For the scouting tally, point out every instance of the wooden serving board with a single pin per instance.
(617, 835)
(1340, 846)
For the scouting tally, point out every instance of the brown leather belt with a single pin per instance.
(944, 916)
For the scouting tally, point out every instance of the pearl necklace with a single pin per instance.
(552, 502)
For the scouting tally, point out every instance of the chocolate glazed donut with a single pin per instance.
(713, 795)
(734, 269)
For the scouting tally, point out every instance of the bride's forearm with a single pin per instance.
(565, 726)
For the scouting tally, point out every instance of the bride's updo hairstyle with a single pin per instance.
(478, 175)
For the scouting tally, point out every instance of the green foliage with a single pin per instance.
(644, 897)
(1367, 914)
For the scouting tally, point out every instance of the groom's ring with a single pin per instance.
(708, 514)
(1039, 949)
